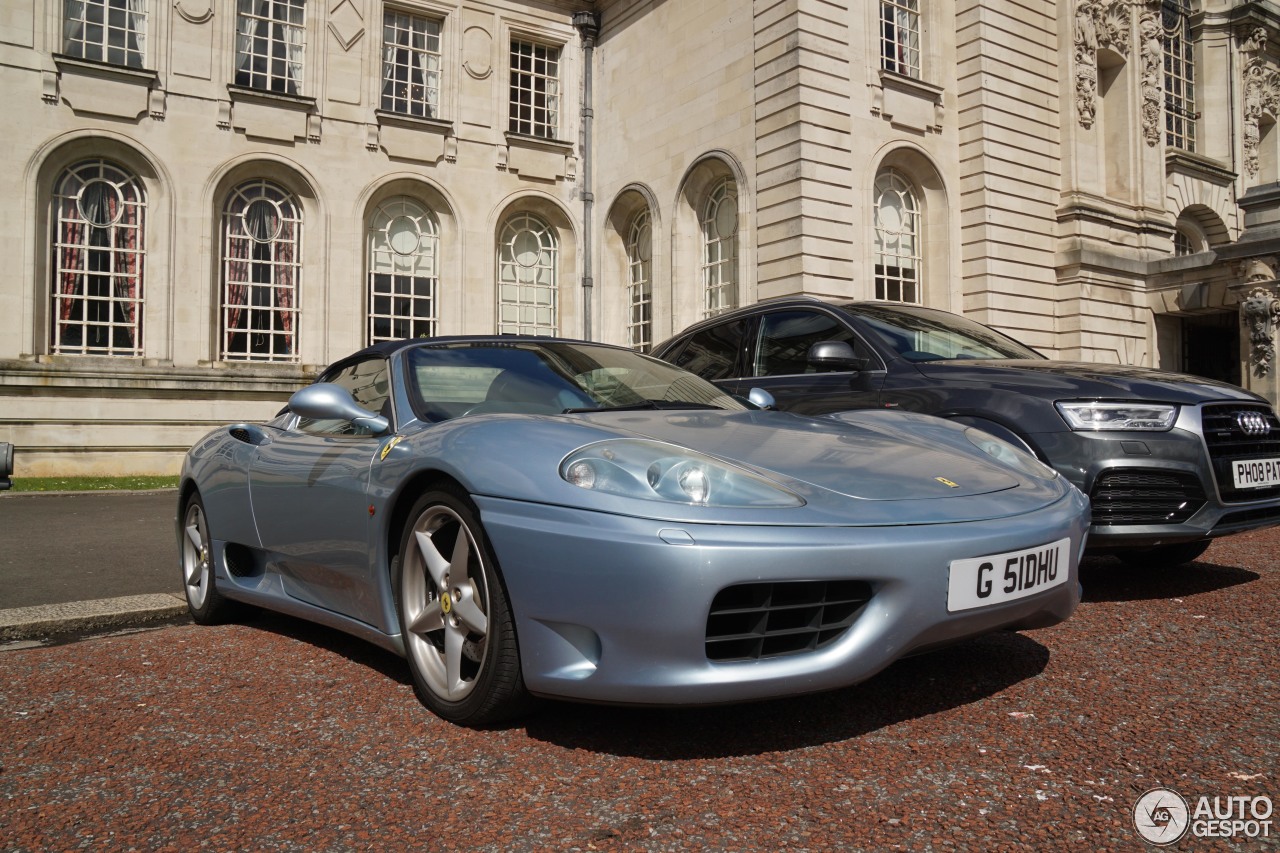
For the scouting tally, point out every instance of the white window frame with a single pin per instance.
(899, 32)
(535, 78)
(528, 276)
(640, 282)
(403, 271)
(899, 262)
(271, 34)
(261, 274)
(412, 63)
(98, 261)
(1179, 75)
(110, 31)
(719, 225)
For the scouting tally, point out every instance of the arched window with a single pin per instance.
(404, 247)
(261, 271)
(98, 218)
(897, 249)
(720, 248)
(640, 282)
(528, 277)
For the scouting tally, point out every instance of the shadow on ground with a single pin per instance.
(912, 688)
(1108, 579)
(915, 687)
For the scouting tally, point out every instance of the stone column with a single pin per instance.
(1259, 300)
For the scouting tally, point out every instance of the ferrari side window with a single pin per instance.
(782, 348)
(713, 353)
(369, 384)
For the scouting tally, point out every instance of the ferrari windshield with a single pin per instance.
(454, 378)
(922, 334)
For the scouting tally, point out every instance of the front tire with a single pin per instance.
(1164, 556)
(458, 631)
(195, 547)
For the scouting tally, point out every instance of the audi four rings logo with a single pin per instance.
(1253, 423)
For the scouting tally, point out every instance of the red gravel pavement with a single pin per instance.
(278, 735)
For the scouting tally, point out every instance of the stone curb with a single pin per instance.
(28, 623)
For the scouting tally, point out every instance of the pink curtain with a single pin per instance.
(237, 285)
(70, 272)
(284, 279)
(125, 260)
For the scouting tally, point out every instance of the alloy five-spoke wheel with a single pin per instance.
(457, 627)
(206, 604)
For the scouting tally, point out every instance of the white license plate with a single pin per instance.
(1256, 473)
(982, 581)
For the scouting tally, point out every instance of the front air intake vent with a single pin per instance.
(1145, 496)
(765, 620)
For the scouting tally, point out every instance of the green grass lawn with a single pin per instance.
(91, 484)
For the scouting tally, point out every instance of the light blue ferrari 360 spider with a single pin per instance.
(524, 517)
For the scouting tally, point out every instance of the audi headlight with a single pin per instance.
(655, 471)
(1014, 457)
(1147, 417)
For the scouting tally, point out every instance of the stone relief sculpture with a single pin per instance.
(1261, 95)
(1097, 25)
(1151, 35)
(1260, 314)
(1086, 56)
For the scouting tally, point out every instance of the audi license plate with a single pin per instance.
(1256, 473)
(982, 581)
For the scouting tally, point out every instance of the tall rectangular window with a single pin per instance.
(410, 64)
(113, 31)
(1179, 76)
(270, 45)
(535, 89)
(900, 36)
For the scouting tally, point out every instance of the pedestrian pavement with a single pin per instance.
(80, 562)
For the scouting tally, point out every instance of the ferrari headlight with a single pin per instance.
(655, 471)
(1092, 416)
(1005, 452)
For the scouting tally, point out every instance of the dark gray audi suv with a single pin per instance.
(1169, 460)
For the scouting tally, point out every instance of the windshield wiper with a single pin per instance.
(643, 405)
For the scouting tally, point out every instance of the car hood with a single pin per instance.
(1063, 380)
(884, 462)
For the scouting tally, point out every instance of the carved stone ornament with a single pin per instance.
(1260, 314)
(1261, 86)
(1098, 24)
(1151, 54)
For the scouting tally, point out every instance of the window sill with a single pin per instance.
(908, 103)
(430, 125)
(911, 86)
(106, 70)
(243, 94)
(1177, 161)
(538, 143)
(100, 88)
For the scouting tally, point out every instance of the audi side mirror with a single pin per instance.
(834, 356)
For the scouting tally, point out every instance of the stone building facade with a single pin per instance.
(208, 200)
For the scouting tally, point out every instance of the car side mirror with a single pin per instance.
(762, 399)
(834, 355)
(326, 401)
